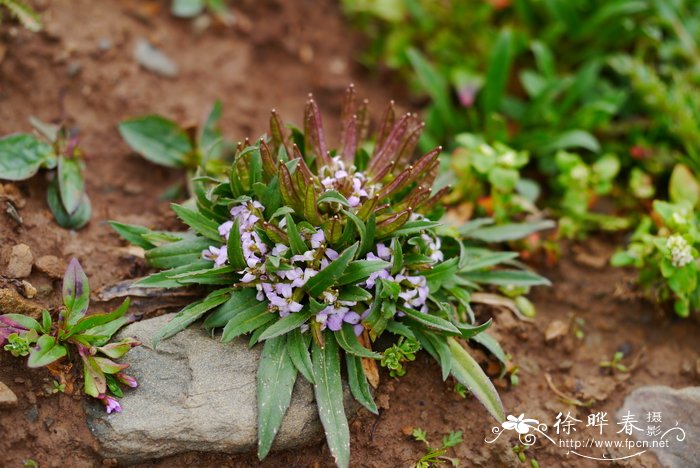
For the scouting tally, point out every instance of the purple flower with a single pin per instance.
(225, 229)
(126, 380)
(218, 254)
(383, 252)
(318, 239)
(111, 404)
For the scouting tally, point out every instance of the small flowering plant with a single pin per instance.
(88, 336)
(317, 252)
(665, 245)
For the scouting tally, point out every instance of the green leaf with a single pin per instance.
(498, 72)
(69, 221)
(247, 320)
(95, 380)
(239, 301)
(438, 348)
(287, 324)
(508, 232)
(191, 313)
(489, 259)
(211, 134)
(71, 184)
(157, 139)
(467, 372)
(45, 352)
(431, 321)
(76, 292)
(352, 293)
(329, 398)
(506, 278)
(175, 254)
(275, 382)
(358, 383)
(683, 187)
(21, 156)
(573, 139)
(432, 82)
(198, 222)
(296, 243)
(20, 321)
(329, 275)
(359, 270)
(490, 343)
(132, 233)
(95, 320)
(298, 350)
(235, 246)
(414, 227)
(348, 341)
(331, 196)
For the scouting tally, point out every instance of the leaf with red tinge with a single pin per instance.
(76, 292)
(45, 352)
(314, 137)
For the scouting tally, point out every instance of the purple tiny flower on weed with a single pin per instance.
(111, 404)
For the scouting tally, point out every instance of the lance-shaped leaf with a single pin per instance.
(275, 234)
(348, 341)
(274, 384)
(349, 140)
(176, 254)
(405, 152)
(468, 372)
(240, 300)
(287, 324)
(119, 348)
(438, 349)
(310, 206)
(191, 313)
(46, 351)
(359, 271)
(430, 321)
(298, 350)
(71, 184)
(387, 155)
(290, 197)
(234, 246)
(95, 382)
(76, 292)
(95, 320)
(358, 383)
(277, 133)
(333, 230)
(198, 222)
(76, 220)
(392, 223)
(108, 366)
(245, 321)
(133, 234)
(385, 127)
(296, 243)
(329, 275)
(314, 137)
(329, 398)
(269, 163)
(363, 120)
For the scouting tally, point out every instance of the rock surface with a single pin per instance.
(8, 399)
(51, 265)
(20, 263)
(195, 393)
(681, 407)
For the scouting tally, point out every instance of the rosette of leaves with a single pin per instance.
(315, 253)
(23, 154)
(665, 246)
(77, 333)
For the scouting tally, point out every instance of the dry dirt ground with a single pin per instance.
(81, 69)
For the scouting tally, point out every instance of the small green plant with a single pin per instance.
(521, 451)
(316, 253)
(394, 357)
(23, 13)
(581, 184)
(75, 332)
(436, 456)
(23, 154)
(491, 175)
(615, 363)
(664, 246)
(166, 143)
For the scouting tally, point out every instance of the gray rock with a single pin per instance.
(676, 407)
(196, 393)
(154, 59)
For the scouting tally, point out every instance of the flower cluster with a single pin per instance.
(681, 252)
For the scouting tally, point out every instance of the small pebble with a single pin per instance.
(154, 59)
(21, 260)
(32, 414)
(29, 289)
(73, 69)
(8, 399)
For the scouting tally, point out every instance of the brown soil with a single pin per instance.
(277, 53)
